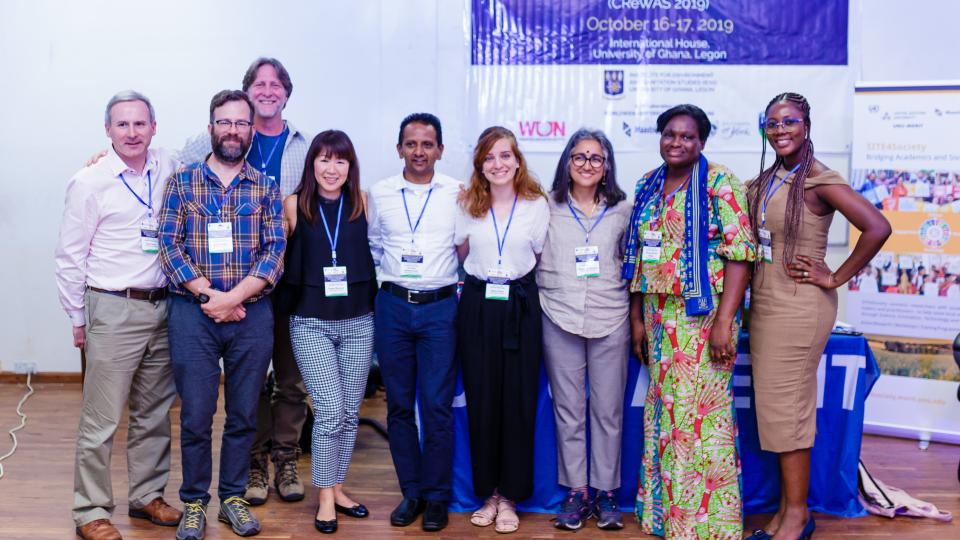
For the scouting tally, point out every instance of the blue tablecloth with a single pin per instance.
(846, 374)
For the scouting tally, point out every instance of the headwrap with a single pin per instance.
(696, 279)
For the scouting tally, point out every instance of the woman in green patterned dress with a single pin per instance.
(688, 260)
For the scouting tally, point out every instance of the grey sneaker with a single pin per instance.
(607, 510)
(287, 480)
(193, 522)
(573, 512)
(257, 482)
(236, 512)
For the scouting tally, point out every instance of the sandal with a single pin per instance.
(507, 520)
(487, 513)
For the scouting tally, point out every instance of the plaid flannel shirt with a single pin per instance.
(251, 204)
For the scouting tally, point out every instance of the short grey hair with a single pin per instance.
(125, 96)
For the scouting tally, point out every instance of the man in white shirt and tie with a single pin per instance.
(114, 292)
(411, 237)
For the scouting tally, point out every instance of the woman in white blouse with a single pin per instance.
(500, 231)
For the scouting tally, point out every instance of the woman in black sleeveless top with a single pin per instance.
(328, 289)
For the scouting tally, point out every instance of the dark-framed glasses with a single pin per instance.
(227, 124)
(579, 160)
(788, 124)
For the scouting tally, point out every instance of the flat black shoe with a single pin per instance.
(356, 511)
(435, 516)
(406, 512)
(326, 527)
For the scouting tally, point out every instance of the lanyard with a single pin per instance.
(219, 203)
(503, 241)
(276, 143)
(766, 200)
(149, 202)
(592, 227)
(336, 233)
(413, 228)
(654, 223)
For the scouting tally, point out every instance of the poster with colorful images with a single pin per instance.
(545, 68)
(906, 161)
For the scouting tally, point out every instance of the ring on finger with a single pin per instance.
(806, 274)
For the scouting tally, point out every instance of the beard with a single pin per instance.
(230, 154)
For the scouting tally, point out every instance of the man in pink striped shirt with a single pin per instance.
(113, 290)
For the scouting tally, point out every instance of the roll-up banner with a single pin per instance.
(906, 161)
(545, 68)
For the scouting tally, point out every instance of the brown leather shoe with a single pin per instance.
(158, 512)
(99, 529)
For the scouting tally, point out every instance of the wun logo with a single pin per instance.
(613, 83)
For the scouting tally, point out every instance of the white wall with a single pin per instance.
(357, 65)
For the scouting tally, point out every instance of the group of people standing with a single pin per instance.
(245, 261)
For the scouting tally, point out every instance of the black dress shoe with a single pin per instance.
(326, 527)
(435, 516)
(357, 510)
(406, 512)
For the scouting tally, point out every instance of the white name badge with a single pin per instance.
(766, 245)
(652, 241)
(498, 284)
(335, 281)
(220, 237)
(411, 263)
(588, 261)
(149, 235)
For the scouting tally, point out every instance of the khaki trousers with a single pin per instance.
(128, 365)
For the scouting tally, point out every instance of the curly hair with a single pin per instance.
(475, 200)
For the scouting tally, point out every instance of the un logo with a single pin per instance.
(613, 83)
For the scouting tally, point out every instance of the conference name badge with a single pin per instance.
(220, 237)
(652, 242)
(411, 263)
(334, 281)
(149, 235)
(766, 245)
(587, 261)
(498, 284)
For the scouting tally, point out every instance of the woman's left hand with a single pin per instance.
(805, 269)
(723, 353)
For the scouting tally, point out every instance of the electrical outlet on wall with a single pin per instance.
(24, 367)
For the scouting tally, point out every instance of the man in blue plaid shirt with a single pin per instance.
(221, 246)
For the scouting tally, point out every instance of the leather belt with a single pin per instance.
(414, 296)
(150, 295)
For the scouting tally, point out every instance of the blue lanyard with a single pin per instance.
(336, 234)
(413, 228)
(219, 203)
(657, 200)
(149, 203)
(766, 200)
(276, 143)
(595, 223)
(502, 242)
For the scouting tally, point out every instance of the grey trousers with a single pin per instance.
(570, 361)
(128, 365)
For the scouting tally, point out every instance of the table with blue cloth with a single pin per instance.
(845, 376)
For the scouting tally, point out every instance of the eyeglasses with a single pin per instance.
(596, 160)
(788, 124)
(226, 124)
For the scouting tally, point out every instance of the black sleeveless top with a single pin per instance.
(308, 251)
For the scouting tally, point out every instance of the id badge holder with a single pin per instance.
(652, 245)
(411, 263)
(766, 245)
(498, 284)
(220, 237)
(587, 261)
(334, 281)
(149, 235)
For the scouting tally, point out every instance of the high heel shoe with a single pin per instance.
(808, 529)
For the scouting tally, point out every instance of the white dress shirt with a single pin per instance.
(524, 240)
(99, 241)
(390, 234)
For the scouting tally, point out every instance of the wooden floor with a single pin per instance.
(36, 492)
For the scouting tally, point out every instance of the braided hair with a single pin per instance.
(759, 189)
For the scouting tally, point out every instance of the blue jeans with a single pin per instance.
(415, 346)
(196, 346)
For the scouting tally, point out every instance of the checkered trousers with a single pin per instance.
(334, 359)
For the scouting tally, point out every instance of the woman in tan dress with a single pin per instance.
(793, 300)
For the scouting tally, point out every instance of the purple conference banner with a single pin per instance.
(636, 32)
